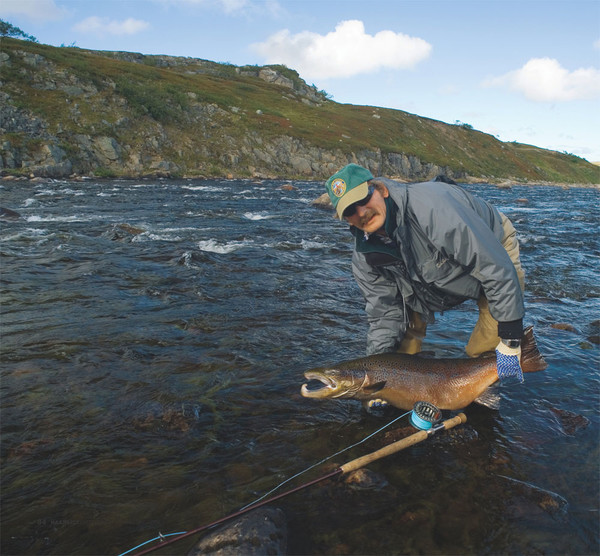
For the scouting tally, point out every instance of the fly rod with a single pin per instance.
(344, 469)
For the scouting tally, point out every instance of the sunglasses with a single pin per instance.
(351, 210)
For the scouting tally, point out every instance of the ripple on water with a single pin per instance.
(154, 338)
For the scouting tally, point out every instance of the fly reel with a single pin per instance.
(425, 415)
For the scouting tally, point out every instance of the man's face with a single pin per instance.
(371, 216)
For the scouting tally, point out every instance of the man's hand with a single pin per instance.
(508, 359)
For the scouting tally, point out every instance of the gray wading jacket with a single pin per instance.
(446, 249)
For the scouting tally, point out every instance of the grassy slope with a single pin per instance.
(162, 94)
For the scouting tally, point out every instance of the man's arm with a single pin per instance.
(384, 306)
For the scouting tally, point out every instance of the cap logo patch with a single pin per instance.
(338, 186)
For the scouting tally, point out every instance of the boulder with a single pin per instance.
(323, 202)
(260, 532)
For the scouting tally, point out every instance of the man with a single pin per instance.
(424, 248)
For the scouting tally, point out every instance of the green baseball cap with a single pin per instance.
(348, 186)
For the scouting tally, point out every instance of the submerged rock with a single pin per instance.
(563, 326)
(260, 532)
(594, 337)
(569, 421)
(362, 493)
(521, 495)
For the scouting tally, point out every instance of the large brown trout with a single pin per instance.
(402, 380)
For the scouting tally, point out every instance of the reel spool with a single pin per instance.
(425, 415)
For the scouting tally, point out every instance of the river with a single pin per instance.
(154, 334)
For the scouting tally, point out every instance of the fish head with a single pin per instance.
(332, 382)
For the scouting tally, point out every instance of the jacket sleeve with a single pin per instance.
(468, 238)
(384, 307)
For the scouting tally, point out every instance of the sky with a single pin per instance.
(520, 70)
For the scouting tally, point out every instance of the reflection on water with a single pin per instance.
(154, 336)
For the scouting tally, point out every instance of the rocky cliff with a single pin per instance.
(66, 111)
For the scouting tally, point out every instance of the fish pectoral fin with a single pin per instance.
(372, 388)
(490, 398)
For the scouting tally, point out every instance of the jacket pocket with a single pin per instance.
(437, 268)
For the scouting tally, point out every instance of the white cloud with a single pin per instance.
(230, 7)
(597, 44)
(105, 26)
(345, 52)
(227, 5)
(545, 80)
(35, 10)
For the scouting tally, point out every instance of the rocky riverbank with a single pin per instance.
(68, 112)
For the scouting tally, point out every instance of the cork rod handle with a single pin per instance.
(399, 445)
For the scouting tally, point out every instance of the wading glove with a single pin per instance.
(508, 359)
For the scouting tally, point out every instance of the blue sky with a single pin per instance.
(521, 70)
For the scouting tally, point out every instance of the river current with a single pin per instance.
(154, 336)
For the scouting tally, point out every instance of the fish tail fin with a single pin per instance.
(531, 358)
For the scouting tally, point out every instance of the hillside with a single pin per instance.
(66, 111)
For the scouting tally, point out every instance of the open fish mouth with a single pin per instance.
(318, 386)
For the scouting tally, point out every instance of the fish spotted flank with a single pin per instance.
(402, 380)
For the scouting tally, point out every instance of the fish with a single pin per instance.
(403, 380)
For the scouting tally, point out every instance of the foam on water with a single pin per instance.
(258, 216)
(153, 347)
(214, 246)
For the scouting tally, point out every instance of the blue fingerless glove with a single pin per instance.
(508, 361)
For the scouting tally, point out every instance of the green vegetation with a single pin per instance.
(205, 118)
(9, 30)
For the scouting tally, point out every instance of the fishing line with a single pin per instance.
(348, 467)
(324, 460)
(160, 537)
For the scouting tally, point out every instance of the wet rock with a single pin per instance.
(120, 232)
(8, 214)
(444, 179)
(288, 187)
(261, 532)
(133, 230)
(366, 479)
(323, 202)
(522, 201)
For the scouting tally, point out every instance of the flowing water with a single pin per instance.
(154, 336)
